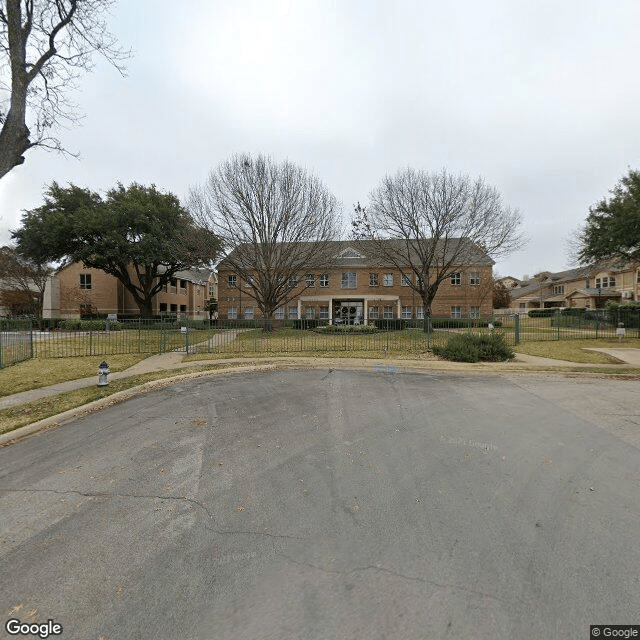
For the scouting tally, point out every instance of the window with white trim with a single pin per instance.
(293, 281)
(324, 280)
(349, 280)
(232, 281)
(388, 312)
(420, 313)
(407, 313)
(405, 280)
(456, 312)
(387, 280)
(324, 313)
(248, 281)
(293, 313)
(310, 280)
(85, 281)
(232, 313)
(248, 313)
(605, 282)
(279, 313)
(456, 279)
(558, 289)
(373, 280)
(374, 312)
(474, 312)
(474, 278)
(310, 313)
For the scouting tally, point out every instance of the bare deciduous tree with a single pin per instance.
(439, 222)
(24, 277)
(46, 45)
(276, 222)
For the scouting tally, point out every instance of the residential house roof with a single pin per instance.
(362, 253)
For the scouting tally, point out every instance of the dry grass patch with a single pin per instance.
(28, 413)
(576, 350)
(42, 372)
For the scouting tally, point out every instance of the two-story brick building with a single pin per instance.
(358, 287)
(76, 290)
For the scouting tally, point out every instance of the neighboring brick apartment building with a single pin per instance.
(75, 291)
(358, 288)
(590, 287)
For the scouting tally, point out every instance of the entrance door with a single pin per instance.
(348, 311)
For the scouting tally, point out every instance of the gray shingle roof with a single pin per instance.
(366, 248)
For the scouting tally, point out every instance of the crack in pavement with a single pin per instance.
(156, 497)
(441, 585)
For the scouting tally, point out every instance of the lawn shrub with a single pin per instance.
(467, 347)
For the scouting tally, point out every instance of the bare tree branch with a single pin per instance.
(275, 220)
(438, 222)
(47, 45)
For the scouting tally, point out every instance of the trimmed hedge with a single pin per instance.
(346, 328)
(305, 323)
(467, 347)
(390, 324)
(398, 324)
(542, 313)
(89, 325)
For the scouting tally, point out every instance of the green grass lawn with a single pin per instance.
(42, 372)
(148, 341)
(254, 342)
(576, 350)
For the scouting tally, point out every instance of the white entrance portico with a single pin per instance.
(349, 309)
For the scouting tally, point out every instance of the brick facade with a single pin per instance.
(374, 292)
(75, 290)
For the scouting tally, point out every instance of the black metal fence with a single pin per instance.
(16, 341)
(23, 339)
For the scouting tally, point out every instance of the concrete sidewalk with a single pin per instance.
(174, 360)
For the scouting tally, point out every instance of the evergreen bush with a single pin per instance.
(468, 347)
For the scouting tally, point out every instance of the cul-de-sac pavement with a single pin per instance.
(331, 503)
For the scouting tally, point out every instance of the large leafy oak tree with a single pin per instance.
(138, 234)
(612, 230)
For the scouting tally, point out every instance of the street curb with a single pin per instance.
(387, 366)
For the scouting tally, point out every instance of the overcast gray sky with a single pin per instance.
(541, 98)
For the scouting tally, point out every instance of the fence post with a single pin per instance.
(31, 339)
(558, 322)
(186, 340)
(516, 325)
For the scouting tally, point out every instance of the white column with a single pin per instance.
(299, 309)
(399, 308)
(365, 319)
(330, 310)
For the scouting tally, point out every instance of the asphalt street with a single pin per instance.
(331, 504)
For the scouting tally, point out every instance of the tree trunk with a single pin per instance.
(426, 322)
(267, 326)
